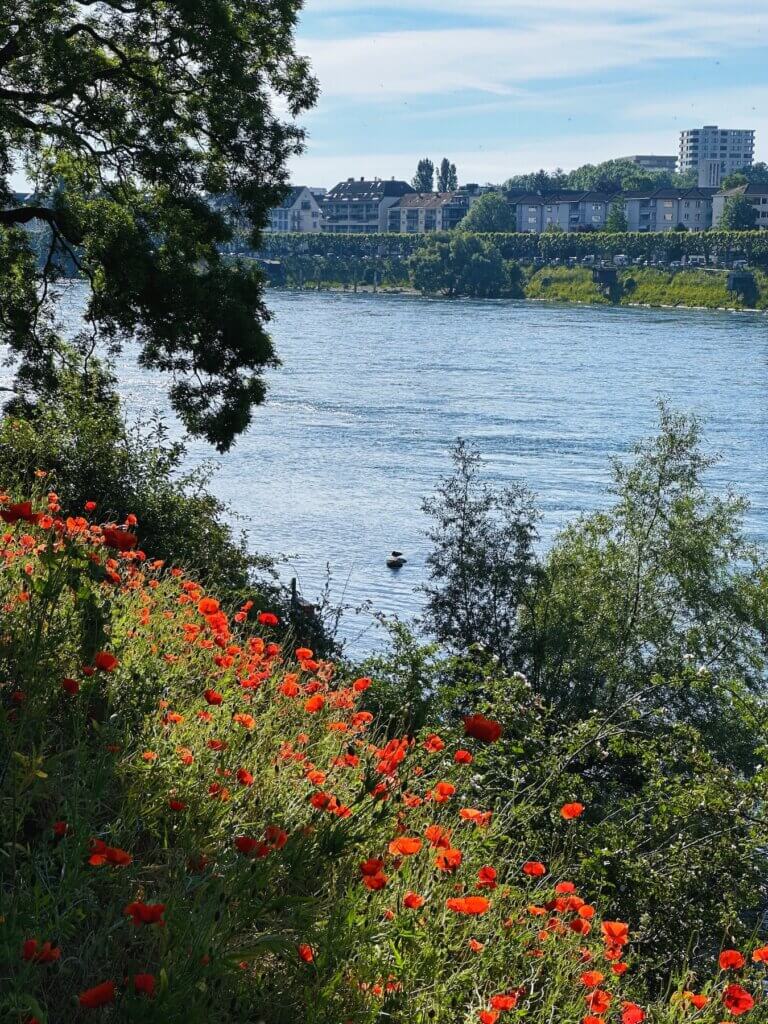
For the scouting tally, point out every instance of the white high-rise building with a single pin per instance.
(713, 152)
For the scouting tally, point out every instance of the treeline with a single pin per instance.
(667, 245)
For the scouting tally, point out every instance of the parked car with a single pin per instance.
(621, 260)
(740, 264)
(675, 265)
(588, 261)
(697, 261)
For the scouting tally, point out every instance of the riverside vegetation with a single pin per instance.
(551, 810)
(501, 266)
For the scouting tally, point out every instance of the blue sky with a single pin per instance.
(505, 86)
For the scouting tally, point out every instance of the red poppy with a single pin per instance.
(737, 1000)
(592, 978)
(33, 952)
(443, 791)
(144, 984)
(412, 900)
(21, 510)
(486, 877)
(267, 619)
(534, 868)
(598, 1001)
(731, 960)
(120, 540)
(481, 728)
(145, 913)
(463, 757)
(244, 777)
(475, 946)
(213, 697)
(247, 845)
(60, 829)
(375, 882)
(565, 888)
(314, 704)
(105, 661)
(632, 1013)
(306, 953)
(404, 846)
(448, 860)
(571, 811)
(90, 506)
(480, 818)
(361, 684)
(505, 1001)
(760, 955)
(177, 805)
(103, 854)
(208, 606)
(438, 836)
(615, 932)
(372, 866)
(247, 721)
(99, 995)
(70, 686)
(433, 744)
(488, 1016)
(472, 905)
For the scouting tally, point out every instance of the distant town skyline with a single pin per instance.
(507, 86)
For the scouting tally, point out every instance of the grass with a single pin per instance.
(206, 824)
(564, 284)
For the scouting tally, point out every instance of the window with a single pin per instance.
(668, 216)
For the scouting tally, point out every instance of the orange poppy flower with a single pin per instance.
(472, 905)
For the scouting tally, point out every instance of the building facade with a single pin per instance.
(564, 209)
(300, 211)
(357, 206)
(757, 195)
(669, 209)
(713, 152)
(423, 212)
(650, 162)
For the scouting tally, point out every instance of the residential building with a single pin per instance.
(757, 195)
(423, 212)
(570, 210)
(713, 152)
(653, 163)
(300, 211)
(667, 209)
(357, 206)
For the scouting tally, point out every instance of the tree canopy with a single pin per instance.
(490, 212)
(124, 115)
(609, 176)
(739, 215)
(424, 179)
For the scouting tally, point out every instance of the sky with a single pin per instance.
(507, 86)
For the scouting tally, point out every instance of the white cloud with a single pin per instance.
(494, 60)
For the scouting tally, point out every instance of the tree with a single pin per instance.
(465, 265)
(124, 115)
(739, 215)
(482, 559)
(447, 177)
(734, 180)
(490, 212)
(424, 179)
(616, 221)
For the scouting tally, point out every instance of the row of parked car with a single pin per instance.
(620, 260)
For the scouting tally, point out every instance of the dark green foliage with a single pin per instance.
(610, 176)
(424, 179)
(616, 221)
(465, 265)
(489, 213)
(643, 636)
(447, 176)
(125, 116)
(739, 215)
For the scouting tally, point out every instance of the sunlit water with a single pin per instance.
(374, 389)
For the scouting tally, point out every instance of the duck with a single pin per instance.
(396, 560)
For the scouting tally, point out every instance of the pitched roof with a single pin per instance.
(424, 200)
(752, 189)
(360, 190)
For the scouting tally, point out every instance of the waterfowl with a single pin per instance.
(396, 560)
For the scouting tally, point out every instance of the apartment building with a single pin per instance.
(300, 211)
(570, 210)
(649, 162)
(713, 152)
(668, 209)
(358, 206)
(757, 195)
(423, 212)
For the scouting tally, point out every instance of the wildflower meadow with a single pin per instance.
(201, 821)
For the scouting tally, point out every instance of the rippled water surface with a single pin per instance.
(374, 389)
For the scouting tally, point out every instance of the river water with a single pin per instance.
(374, 389)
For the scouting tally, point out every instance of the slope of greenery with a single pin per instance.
(189, 805)
(564, 284)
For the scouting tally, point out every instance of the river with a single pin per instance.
(374, 389)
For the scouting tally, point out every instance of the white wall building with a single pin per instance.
(299, 212)
(704, 150)
(757, 195)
